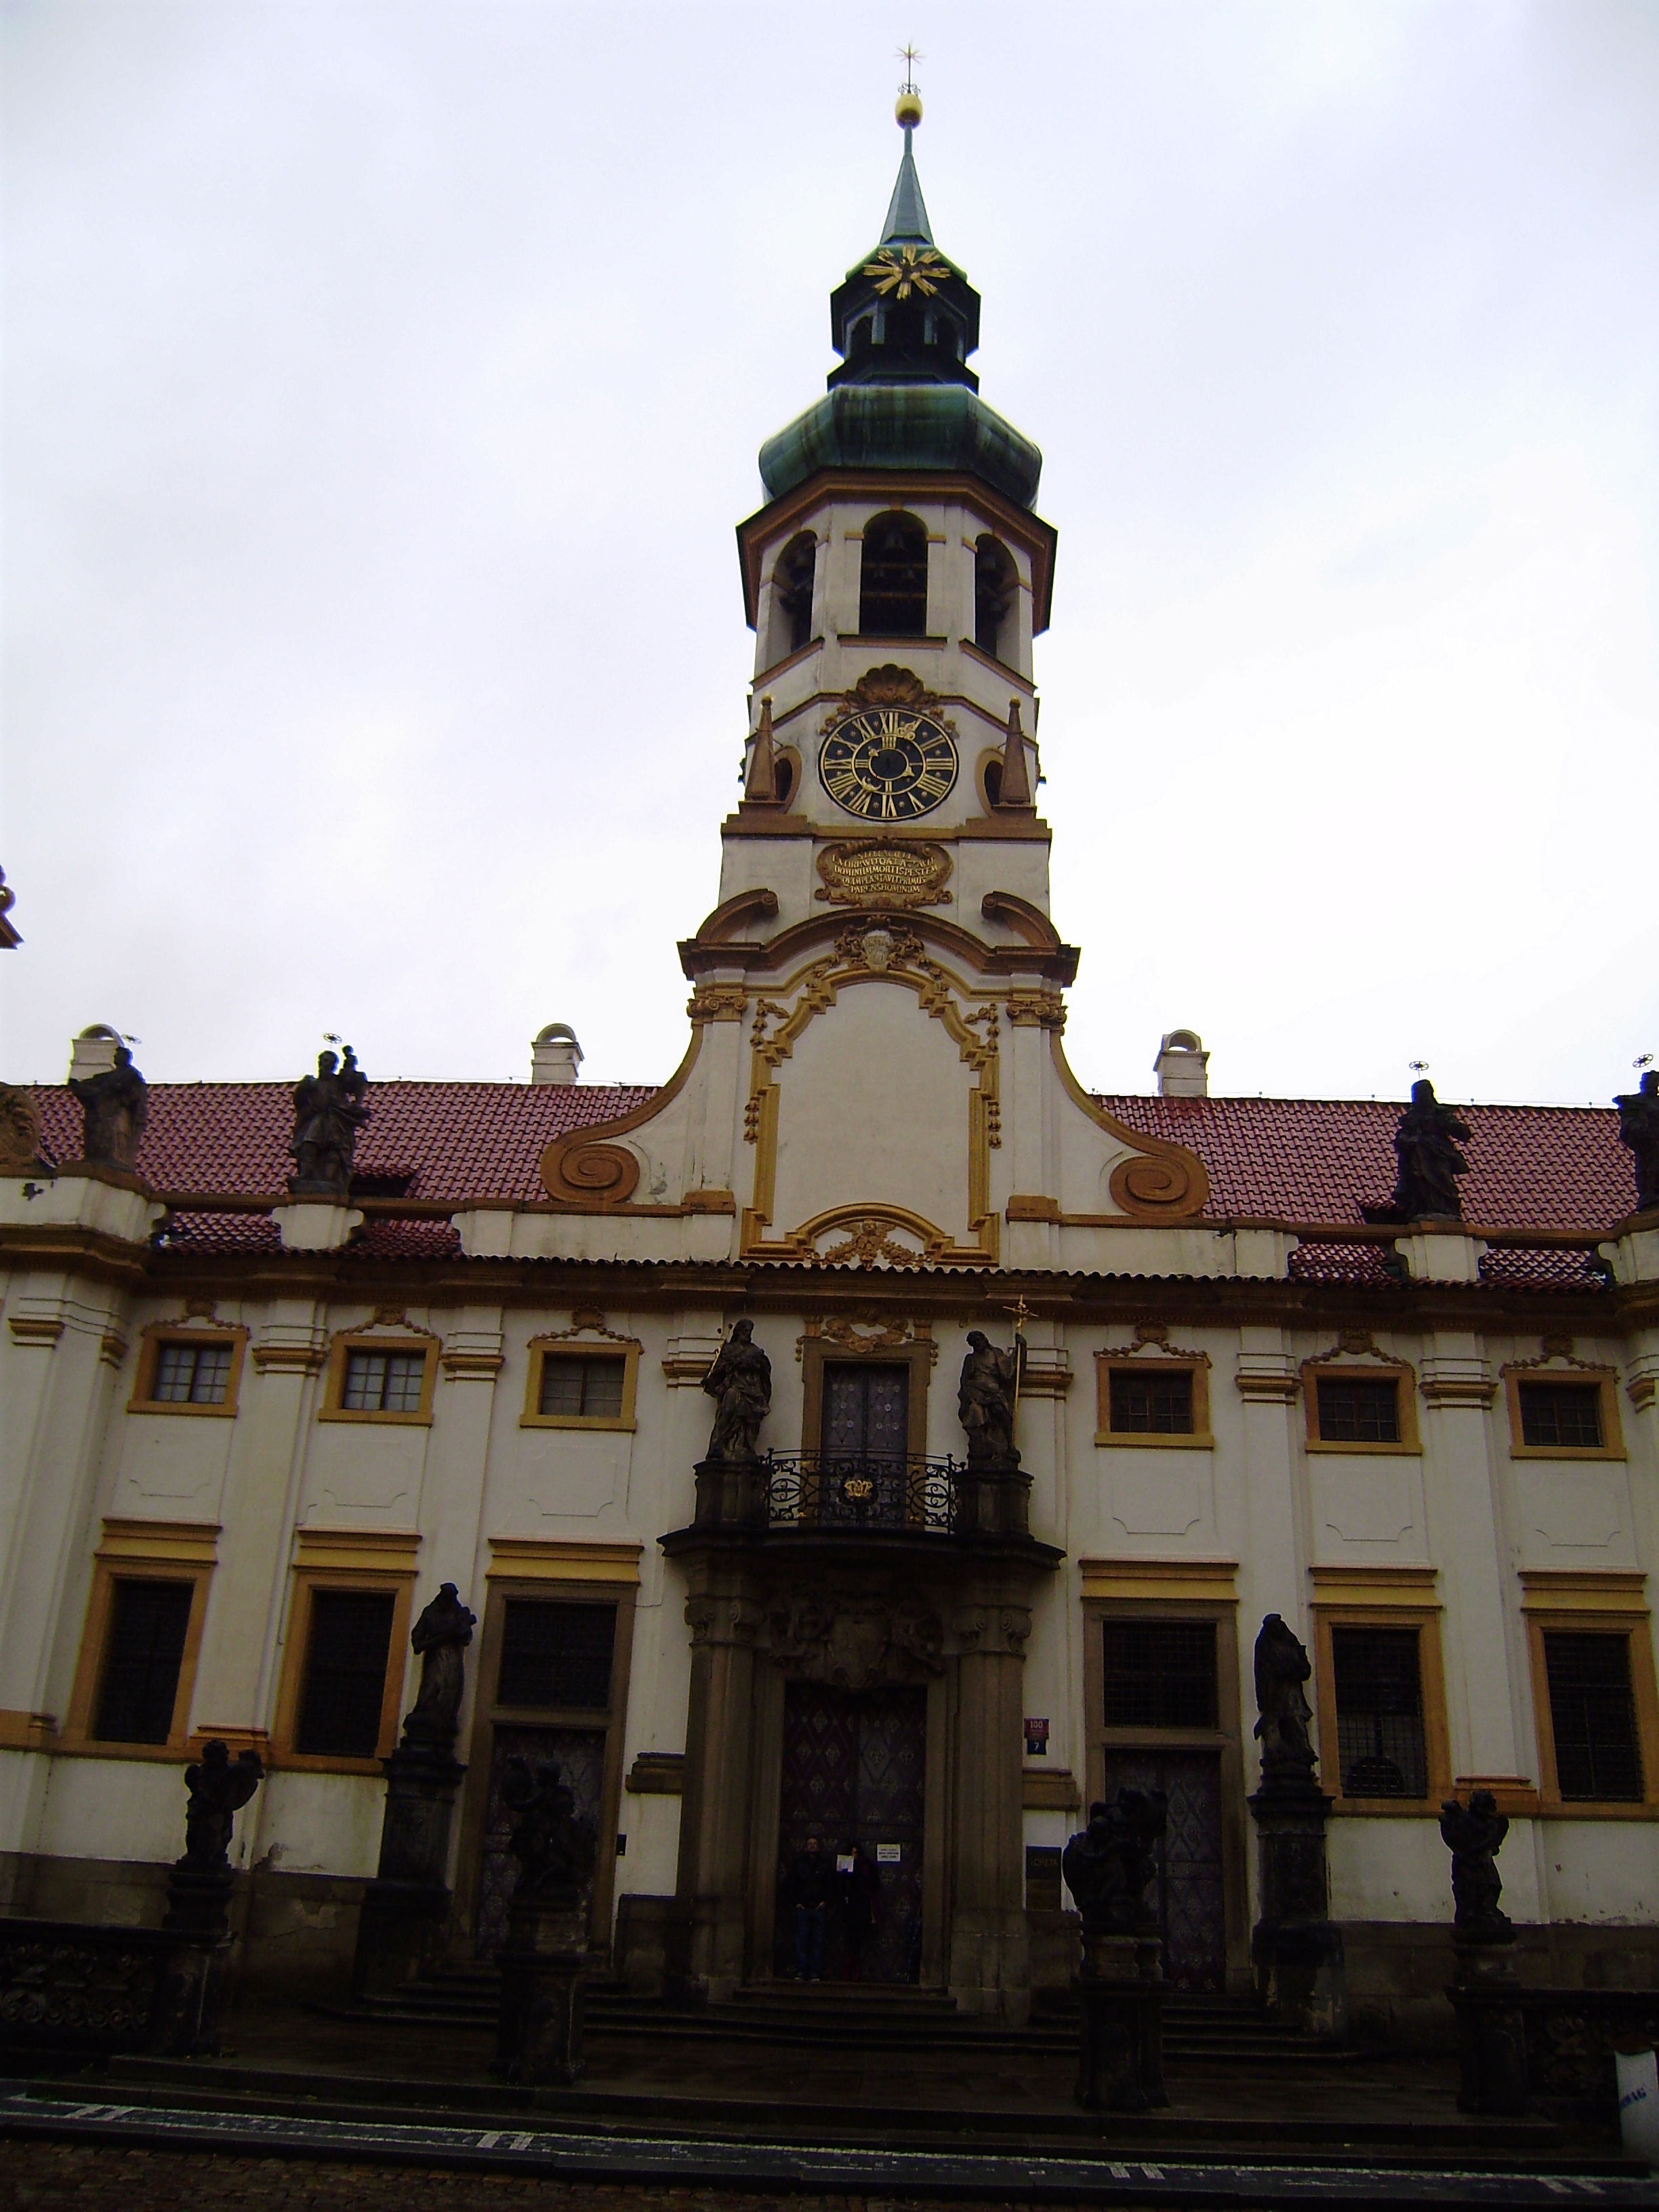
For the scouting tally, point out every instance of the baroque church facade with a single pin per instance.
(263, 1398)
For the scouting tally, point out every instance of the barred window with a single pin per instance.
(1160, 1674)
(1380, 1748)
(1152, 1400)
(192, 1374)
(1363, 1412)
(384, 1382)
(585, 1388)
(1557, 1416)
(1592, 1715)
(343, 1690)
(556, 1655)
(143, 1652)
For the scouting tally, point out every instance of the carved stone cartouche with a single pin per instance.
(329, 1114)
(1474, 1833)
(1638, 1129)
(855, 1639)
(740, 1383)
(1281, 1668)
(114, 1108)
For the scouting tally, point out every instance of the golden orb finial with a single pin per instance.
(907, 108)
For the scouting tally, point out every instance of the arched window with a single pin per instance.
(893, 582)
(792, 595)
(994, 586)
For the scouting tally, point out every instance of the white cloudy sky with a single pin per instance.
(384, 380)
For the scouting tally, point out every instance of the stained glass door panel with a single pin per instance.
(855, 1769)
(1189, 1891)
(579, 1754)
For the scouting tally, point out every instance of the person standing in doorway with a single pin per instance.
(810, 1878)
(858, 1902)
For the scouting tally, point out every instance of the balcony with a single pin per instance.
(854, 1491)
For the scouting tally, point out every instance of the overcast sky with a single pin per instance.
(384, 382)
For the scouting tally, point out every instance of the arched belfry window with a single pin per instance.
(893, 582)
(792, 595)
(994, 587)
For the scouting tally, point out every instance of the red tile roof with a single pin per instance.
(1282, 1159)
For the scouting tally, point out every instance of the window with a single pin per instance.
(588, 1386)
(384, 1382)
(1145, 1403)
(994, 587)
(188, 1371)
(143, 1658)
(1362, 1411)
(893, 578)
(1382, 1750)
(191, 1374)
(1159, 1674)
(1592, 1715)
(1152, 1399)
(343, 1690)
(866, 1409)
(792, 588)
(1560, 1416)
(556, 1655)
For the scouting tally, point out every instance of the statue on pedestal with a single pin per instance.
(740, 1383)
(1427, 1143)
(1282, 1667)
(554, 1845)
(1638, 1128)
(1473, 1833)
(438, 1640)
(1107, 1864)
(328, 1114)
(219, 1786)
(986, 1398)
(114, 1107)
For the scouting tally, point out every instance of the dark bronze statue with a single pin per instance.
(1107, 1864)
(114, 1107)
(985, 1397)
(438, 1640)
(1427, 1143)
(1473, 1833)
(740, 1383)
(1281, 1668)
(219, 1786)
(1639, 1127)
(554, 1845)
(328, 1114)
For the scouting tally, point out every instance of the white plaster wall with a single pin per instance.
(114, 1809)
(1384, 1869)
(315, 1823)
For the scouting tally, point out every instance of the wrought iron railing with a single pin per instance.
(862, 1490)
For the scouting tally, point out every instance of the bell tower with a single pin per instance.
(894, 581)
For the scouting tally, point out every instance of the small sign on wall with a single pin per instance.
(1037, 1738)
(889, 1854)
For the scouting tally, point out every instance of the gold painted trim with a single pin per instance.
(1212, 1580)
(138, 1551)
(1605, 1380)
(375, 1551)
(192, 1543)
(344, 1342)
(376, 1572)
(1403, 1607)
(1163, 1182)
(585, 1173)
(1599, 1601)
(20, 1731)
(190, 1330)
(1589, 1590)
(584, 1339)
(1383, 1365)
(1414, 1587)
(1140, 1361)
(554, 1559)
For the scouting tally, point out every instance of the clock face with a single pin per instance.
(888, 764)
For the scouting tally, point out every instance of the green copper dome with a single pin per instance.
(902, 426)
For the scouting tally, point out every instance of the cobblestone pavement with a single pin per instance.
(38, 2176)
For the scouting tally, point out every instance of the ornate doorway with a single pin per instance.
(854, 1766)
(1189, 1891)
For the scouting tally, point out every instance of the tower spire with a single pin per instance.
(907, 211)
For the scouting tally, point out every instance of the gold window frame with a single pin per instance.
(1195, 1364)
(360, 1559)
(1378, 1368)
(153, 1339)
(344, 1343)
(1382, 1597)
(1605, 1379)
(141, 1550)
(1593, 1601)
(597, 1344)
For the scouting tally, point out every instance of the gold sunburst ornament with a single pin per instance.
(902, 269)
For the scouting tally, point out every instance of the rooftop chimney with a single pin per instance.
(554, 1054)
(92, 1053)
(1182, 1065)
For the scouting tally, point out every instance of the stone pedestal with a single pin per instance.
(1295, 1948)
(730, 1493)
(992, 1501)
(405, 1909)
(1121, 1995)
(191, 1984)
(540, 2033)
(1491, 2033)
